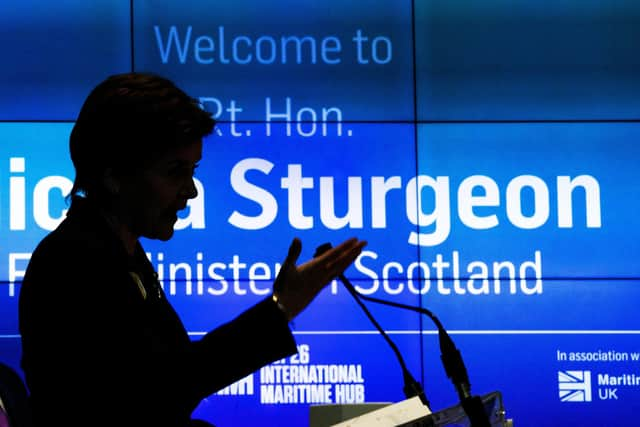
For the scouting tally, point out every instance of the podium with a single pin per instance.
(407, 413)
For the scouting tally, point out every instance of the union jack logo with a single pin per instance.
(574, 386)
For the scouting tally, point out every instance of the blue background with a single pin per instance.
(527, 60)
(494, 88)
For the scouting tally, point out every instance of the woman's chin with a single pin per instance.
(163, 233)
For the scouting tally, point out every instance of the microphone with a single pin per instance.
(449, 355)
(411, 387)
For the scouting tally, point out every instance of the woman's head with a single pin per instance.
(127, 122)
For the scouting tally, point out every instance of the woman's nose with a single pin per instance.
(189, 190)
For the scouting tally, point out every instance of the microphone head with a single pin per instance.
(322, 249)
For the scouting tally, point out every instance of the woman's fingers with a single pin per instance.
(333, 262)
(294, 252)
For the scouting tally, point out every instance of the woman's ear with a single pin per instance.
(110, 182)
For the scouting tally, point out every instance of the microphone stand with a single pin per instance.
(451, 358)
(411, 387)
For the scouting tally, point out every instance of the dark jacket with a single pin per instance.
(95, 353)
(13, 395)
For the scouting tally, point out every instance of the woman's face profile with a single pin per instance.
(150, 199)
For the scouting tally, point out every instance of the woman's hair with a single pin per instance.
(126, 122)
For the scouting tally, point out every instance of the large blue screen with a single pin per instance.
(487, 151)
